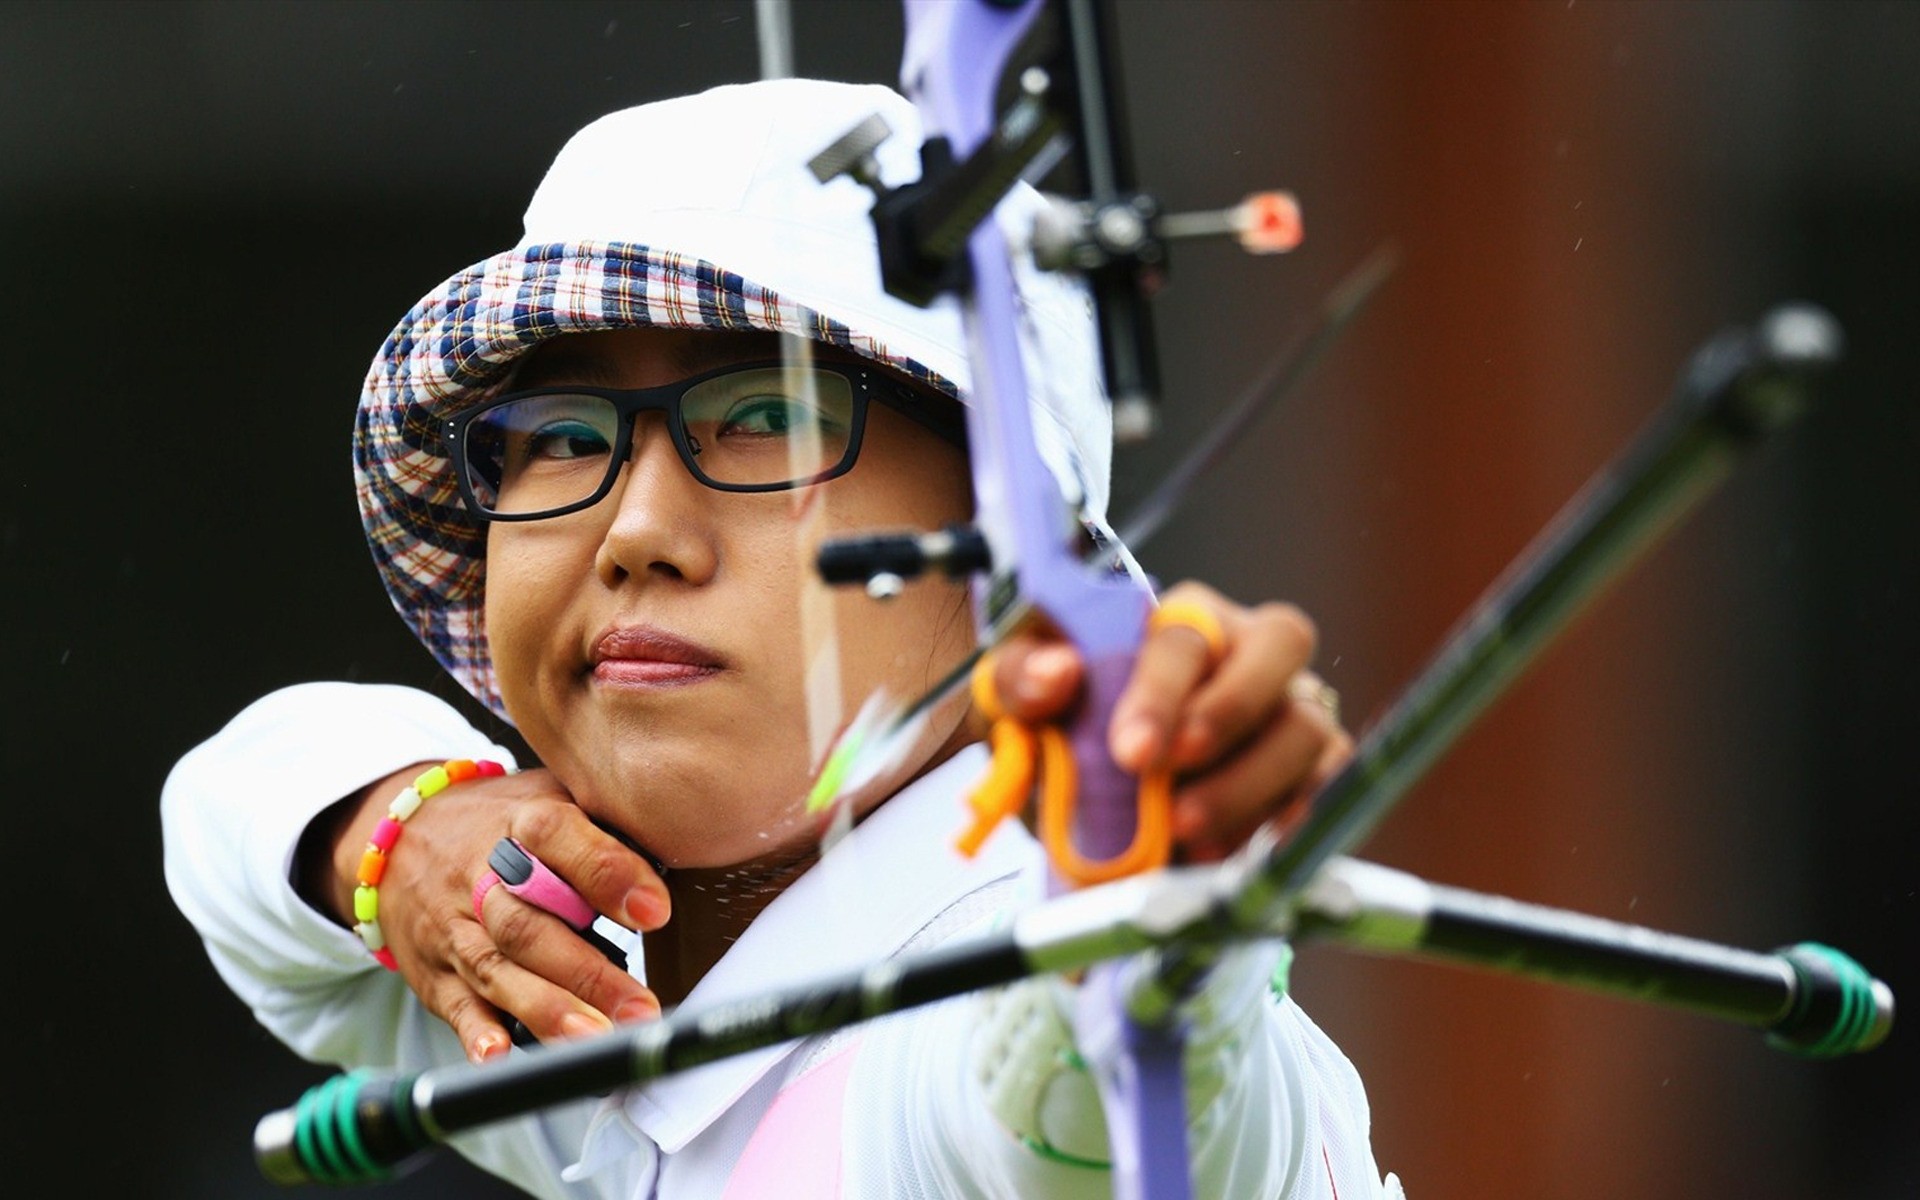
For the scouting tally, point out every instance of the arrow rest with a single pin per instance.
(884, 562)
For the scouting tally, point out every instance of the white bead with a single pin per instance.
(404, 805)
(369, 932)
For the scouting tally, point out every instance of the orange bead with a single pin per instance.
(461, 769)
(373, 867)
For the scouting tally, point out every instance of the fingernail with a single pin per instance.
(635, 1009)
(646, 908)
(1136, 743)
(579, 1025)
(1046, 670)
(487, 1046)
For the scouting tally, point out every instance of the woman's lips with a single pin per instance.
(643, 656)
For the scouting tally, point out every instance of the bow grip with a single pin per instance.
(1105, 620)
(1107, 815)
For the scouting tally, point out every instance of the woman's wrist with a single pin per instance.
(327, 863)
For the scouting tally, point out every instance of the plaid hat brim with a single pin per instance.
(455, 349)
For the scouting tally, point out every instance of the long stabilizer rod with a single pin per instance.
(1737, 388)
(1809, 999)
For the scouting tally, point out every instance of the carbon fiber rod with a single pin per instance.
(1810, 1000)
(1737, 388)
(357, 1127)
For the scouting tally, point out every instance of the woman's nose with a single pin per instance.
(661, 523)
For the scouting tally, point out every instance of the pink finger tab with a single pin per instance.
(533, 881)
(481, 887)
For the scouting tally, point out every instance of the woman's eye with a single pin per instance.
(565, 439)
(772, 416)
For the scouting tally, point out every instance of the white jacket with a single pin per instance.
(899, 1107)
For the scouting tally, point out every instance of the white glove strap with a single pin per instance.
(1033, 1079)
(1037, 1085)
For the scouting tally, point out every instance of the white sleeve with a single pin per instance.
(231, 815)
(1274, 1108)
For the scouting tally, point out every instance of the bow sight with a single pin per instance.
(1056, 98)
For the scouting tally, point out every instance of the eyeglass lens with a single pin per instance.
(763, 427)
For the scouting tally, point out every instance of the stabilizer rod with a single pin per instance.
(1810, 999)
(1740, 386)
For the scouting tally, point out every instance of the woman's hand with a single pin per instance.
(521, 961)
(1250, 733)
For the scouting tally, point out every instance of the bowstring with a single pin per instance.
(816, 614)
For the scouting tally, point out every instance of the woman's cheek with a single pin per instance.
(523, 628)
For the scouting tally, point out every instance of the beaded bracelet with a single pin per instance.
(373, 863)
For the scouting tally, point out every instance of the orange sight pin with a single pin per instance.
(1269, 223)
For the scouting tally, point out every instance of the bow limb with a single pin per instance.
(957, 56)
(1033, 535)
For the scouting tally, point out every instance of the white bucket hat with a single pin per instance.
(692, 213)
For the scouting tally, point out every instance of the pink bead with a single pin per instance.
(384, 957)
(385, 834)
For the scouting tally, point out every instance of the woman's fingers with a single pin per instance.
(1247, 690)
(1210, 675)
(484, 973)
(525, 963)
(1270, 778)
(570, 976)
(610, 876)
(528, 965)
(1220, 694)
(475, 1022)
(1173, 660)
(1036, 676)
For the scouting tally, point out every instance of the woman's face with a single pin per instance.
(652, 648)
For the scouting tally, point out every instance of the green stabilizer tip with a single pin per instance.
(315, 1133)
(362, 1166)
(327, 1136)
(826, 789)
(1834, 1012)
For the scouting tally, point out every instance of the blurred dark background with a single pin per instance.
(215, 211)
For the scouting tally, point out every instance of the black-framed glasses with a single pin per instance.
(747, 427)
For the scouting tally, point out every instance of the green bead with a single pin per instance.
(366, 903)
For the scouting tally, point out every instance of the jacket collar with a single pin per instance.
(878, 886)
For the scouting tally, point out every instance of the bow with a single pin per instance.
(999, 84)
(939, 237)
